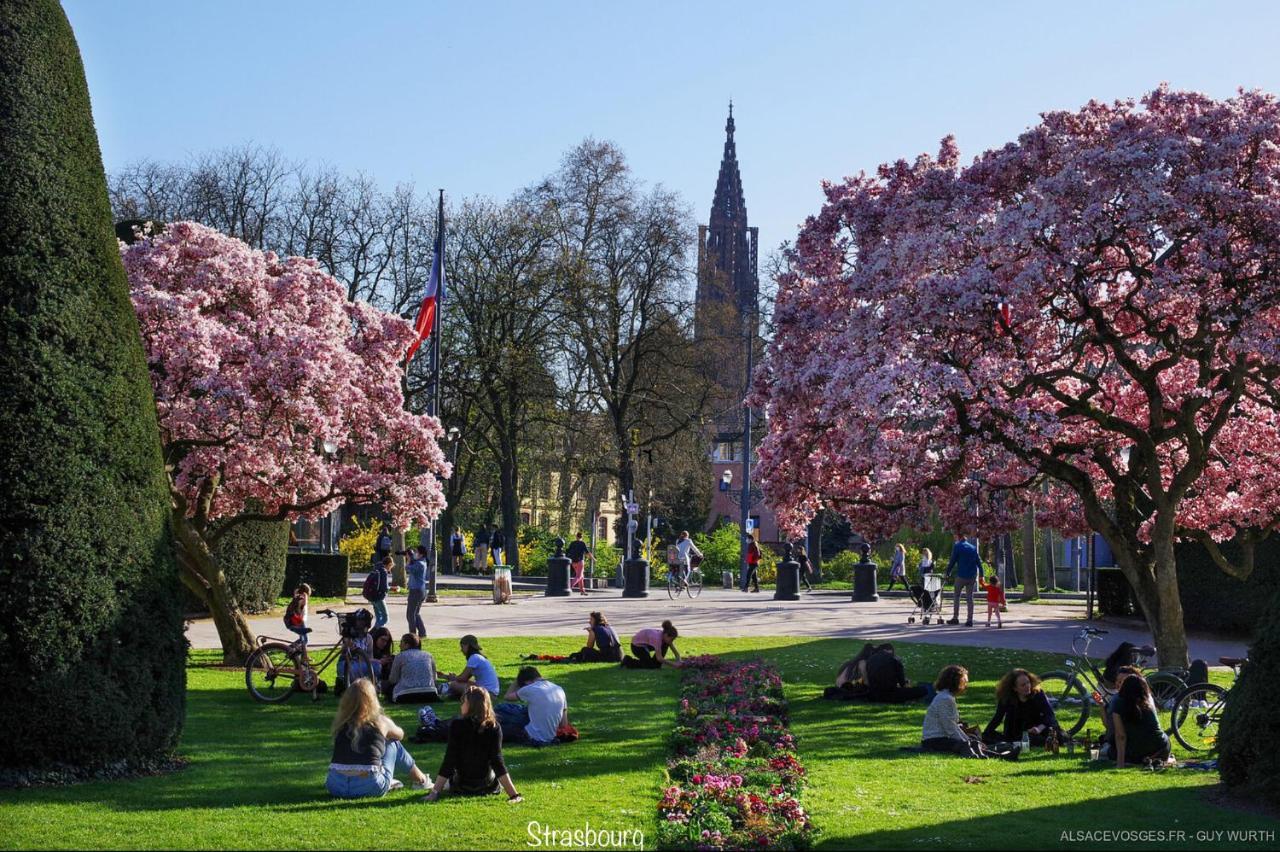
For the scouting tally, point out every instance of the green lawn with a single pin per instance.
(256, 773)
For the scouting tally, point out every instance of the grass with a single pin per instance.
(256, 774)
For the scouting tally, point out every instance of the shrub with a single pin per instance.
(1248, 759)
(327, 573)
(840, 567)
(91, 643)
(361, 543)
(253, 555)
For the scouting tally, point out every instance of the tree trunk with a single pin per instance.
(1030, 582)
(1154, 580)
(200, 572)
(398, 577)
(509, 478)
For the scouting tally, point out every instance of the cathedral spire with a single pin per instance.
(728, 207)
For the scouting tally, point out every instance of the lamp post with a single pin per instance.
(326, 525)
(451, 437)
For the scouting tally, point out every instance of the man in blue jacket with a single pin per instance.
(965, 563)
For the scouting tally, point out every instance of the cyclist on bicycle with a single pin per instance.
(685, 549)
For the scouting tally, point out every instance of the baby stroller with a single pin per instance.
(927, 596)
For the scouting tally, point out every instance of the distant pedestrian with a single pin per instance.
(995, 598)
(382, 549)
(375, 589)
(752, 574)
(416, 576)
(578, 553)
(480, 546)
(926, 562)
(898, 567)
(965, 564)
(457, 549)
(497, 544)
(802, 557)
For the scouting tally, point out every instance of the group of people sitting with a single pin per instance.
(1133, 735)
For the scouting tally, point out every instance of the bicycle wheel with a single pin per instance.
(673, 584)
(695, 583)
(1068, 699)
(1196, 714)
(1166, 688)
(271, 673)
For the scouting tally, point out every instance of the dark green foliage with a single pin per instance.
(326, 573)
(1249, 759)
(252, 555)
(91, 641)
(1212, 600)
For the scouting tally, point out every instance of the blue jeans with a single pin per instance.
(379, 612)
(378, 779)
(301, 631)
(513, 718)
(412, 611)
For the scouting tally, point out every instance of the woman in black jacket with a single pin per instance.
(1022, 707)
(473, 764)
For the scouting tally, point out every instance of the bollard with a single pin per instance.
(787, 587)
(727, 576)
(864, 579)
(558, 573)
(637, 571)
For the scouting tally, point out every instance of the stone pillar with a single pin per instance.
(787, 587)
(864, 578)
(558, 572)
(637, 579)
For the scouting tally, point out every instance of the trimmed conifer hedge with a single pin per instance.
(91, 633)
(1248, 759)
(326, 573)
(252, 555)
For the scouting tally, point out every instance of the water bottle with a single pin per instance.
(1026, 742)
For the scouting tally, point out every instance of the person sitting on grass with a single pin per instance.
(602, 643)
(995, 597)
(1023, 708)
(413, 674)
(886, 679)
(382, 650)
(1122, 673)
(367, 748)
(544, 712)
(1139, 738)
(473, 764)
(649, 647)
(854, 672)
(942, 730)
(479, 671)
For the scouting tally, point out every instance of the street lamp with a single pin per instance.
(451, 437)
(330, 450)
(726, 480)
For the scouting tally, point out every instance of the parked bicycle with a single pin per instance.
(1073, 693)
(278, 668)
(1198, 710)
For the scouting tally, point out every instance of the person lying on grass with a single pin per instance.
(479, 671)
(1024, 709)
(649, 648)
(544, 712)
(473, 764)
(1139, 739)
(943, 731)
(367, 748)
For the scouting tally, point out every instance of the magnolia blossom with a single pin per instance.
(275, 394)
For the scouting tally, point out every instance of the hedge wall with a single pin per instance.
(327, 573)
(91, 634)
(1212, 600)
(1248, 759)
(252, 555)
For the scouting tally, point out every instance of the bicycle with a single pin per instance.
(278, 668)
(691, 584)
(1082, 686)
(1198, 710)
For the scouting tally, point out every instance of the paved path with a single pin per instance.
(731, 613)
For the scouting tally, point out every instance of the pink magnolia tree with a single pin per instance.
(277, 399)
(1087, 319)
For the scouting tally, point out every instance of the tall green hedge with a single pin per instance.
(252, 555)
(91, 634)
(1248, 758)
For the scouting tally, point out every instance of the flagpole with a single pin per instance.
(433, 402)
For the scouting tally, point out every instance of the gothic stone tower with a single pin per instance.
(724, 321)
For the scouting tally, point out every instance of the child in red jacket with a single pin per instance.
(995, 598)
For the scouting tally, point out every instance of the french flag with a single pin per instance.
(426, 320)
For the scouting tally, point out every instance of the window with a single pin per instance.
(603, 533)
(524, 518)
(726, 451)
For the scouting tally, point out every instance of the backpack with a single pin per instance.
(292, 613)
(371, 585)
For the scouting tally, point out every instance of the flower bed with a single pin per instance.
(736, 780)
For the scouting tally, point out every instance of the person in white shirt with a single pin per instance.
(685, 548)
(478, 671)
(544, 711)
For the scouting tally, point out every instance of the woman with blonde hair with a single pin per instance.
(367, 748)
(926, 562)
(473, 764)
(898, 567)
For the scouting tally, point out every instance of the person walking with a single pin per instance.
(965, 564)
(802, 558)
(752, 574)
(382, 549)
(578, 553)
(995, 598)
(457, 549)
(480, 546)
(898, 568)
(375, 589)
(497, 544)
(416, 577)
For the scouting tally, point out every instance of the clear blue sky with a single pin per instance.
(482, 98)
